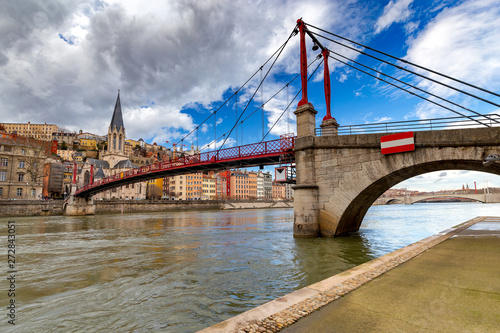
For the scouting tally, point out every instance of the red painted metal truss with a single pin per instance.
(256, 154)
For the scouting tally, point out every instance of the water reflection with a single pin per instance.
(182, 271)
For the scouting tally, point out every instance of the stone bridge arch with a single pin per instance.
(352, 215)
(339, 177)
(388, 201)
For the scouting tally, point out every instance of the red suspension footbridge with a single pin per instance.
(257, 154)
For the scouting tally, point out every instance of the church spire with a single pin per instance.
(117, 120)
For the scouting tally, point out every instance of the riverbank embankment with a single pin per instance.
(449, 285)
(55, 207)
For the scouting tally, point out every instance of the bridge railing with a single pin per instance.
(283, 145)
(489, 120)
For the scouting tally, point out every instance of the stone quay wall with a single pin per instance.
(55, 207)
(137, 206)
(30, 207)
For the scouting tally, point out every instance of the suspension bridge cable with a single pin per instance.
(236, 112)
(408, 91)
(293, 33)
(288, 113)
(272, 97)
(406, 61)
(412, 86)
(282, 113)
(262, 103)
(244, 84)
(407, 70)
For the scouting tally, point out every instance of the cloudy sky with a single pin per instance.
(176, 61)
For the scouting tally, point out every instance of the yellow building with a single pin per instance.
(128, 148)
(154, 188)
(37, 131)
(252, 185)
(88, 144)
(208, 187)
(78, 157)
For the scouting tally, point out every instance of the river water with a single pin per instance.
(183, 271)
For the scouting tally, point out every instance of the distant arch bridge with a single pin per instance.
(409, 200)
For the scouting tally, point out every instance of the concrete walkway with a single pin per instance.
(452, 287)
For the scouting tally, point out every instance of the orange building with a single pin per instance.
(239, 185)
(194, 186)
(279, 191)
(252, 185)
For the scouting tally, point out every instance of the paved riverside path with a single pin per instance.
(452, 287)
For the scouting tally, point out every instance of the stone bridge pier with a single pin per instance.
(340, 176)
(77, 206)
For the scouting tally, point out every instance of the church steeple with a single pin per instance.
(117, 120)
(116, 131)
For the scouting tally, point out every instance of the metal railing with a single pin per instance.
(489, 120)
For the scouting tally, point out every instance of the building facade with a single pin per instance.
(194, 186)
(279, 191)
(69, 139)
(21, 166)
(29, 130)
(268, 186)
(209, 182)
(66, 155)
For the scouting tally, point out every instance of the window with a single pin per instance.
(1, 192)
(20, 177)
(33, 193)
(21, 164)
(23, 151)
(3, 176)
(4, 161)
(19, 192)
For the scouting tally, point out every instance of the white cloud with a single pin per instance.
(382, 119)
(462, 42)
(449, 180)
(411, 27)
(230, 142)
(153, 120)
(394, 12)
(204, 128)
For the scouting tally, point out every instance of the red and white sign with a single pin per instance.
(397, 143)
(280, 174)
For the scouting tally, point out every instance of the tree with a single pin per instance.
(153, 192)
(64, 146)
(35, 156)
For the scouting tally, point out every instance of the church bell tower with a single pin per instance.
(116, 136)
